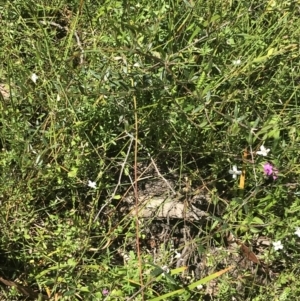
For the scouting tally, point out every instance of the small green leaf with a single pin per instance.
(257, 220)
(73, 172)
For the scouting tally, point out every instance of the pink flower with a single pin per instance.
(105, 292)
(269, 170)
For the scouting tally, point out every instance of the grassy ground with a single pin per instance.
(93, 93)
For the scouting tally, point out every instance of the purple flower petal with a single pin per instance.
(268, 169)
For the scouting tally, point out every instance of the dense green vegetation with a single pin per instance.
(92, 94)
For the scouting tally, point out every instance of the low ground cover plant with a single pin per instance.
(112, 110)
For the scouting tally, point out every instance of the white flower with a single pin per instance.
(165, 270)
(297, 232)
(178, 255)
(236, 62)
(263, 151)
(34, 77)
(92, 184)
(234, 171)
(199, 287)
(277, 245)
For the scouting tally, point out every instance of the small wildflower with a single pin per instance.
(234, 172)
(263, 151)
(277, 245)
(165, 269)
(269, 170)
(92, 184)
(178, 255)
(236, 62)
(297, 232)
(34, 77)
(105, 292)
